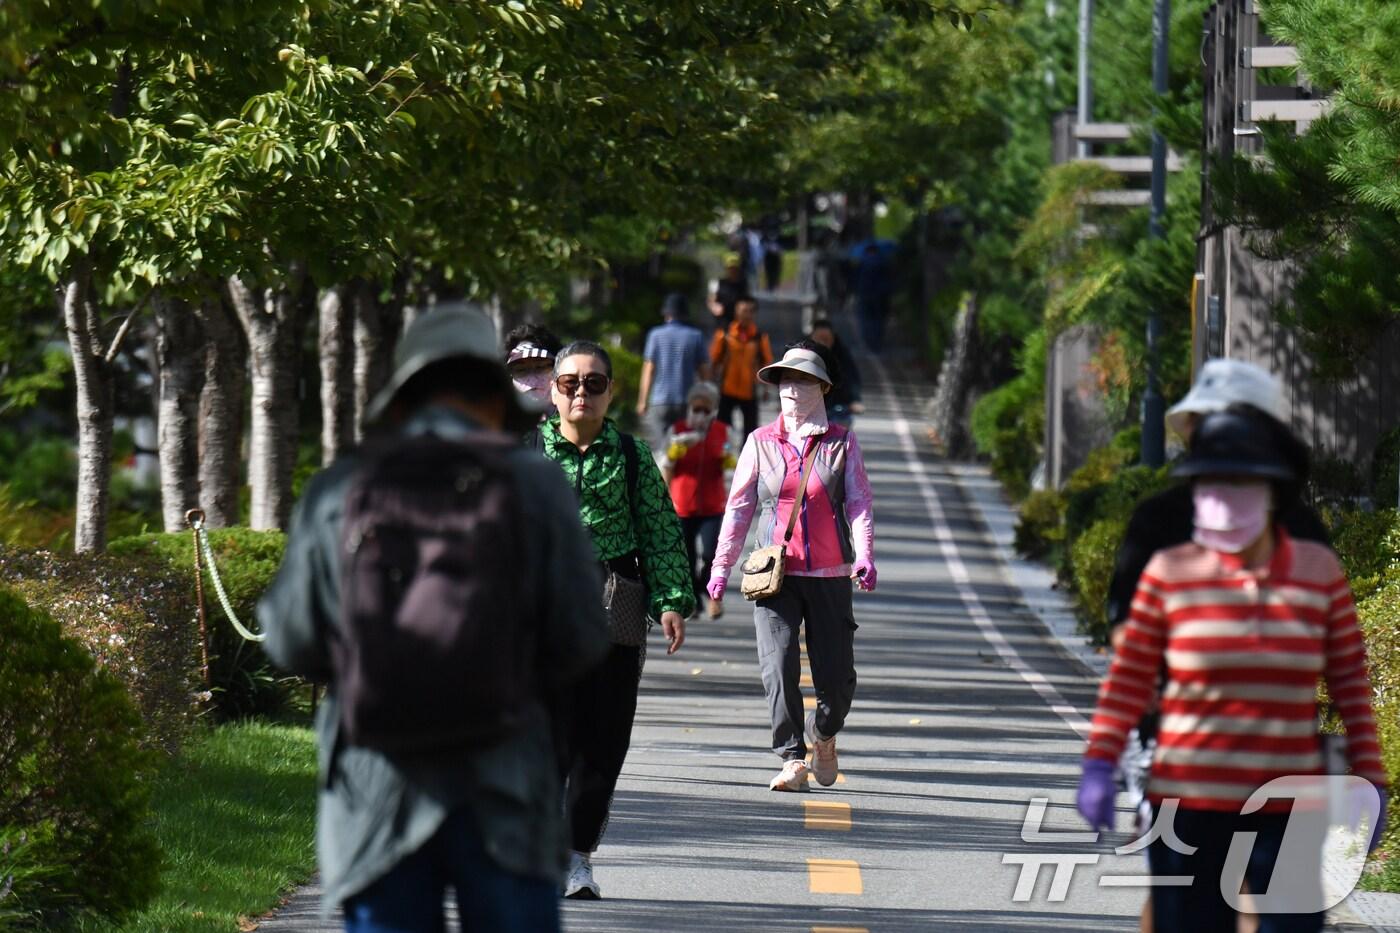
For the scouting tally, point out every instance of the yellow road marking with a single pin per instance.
(806, 680)
(809, 702)
(833, 876)
(812, 778)
(827, 815)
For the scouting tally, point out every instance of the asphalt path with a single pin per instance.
(965, 713)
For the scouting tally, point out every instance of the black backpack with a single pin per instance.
(437, 641)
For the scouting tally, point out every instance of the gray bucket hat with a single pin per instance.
(445, 334)
(799, 361)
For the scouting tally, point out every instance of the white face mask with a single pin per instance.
(534, 385)
(804, 408)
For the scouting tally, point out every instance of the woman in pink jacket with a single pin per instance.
(833, 543)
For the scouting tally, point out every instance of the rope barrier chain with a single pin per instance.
(196, 519)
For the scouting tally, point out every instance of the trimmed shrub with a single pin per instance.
(135, 618)
(1008, 424)
(1092, 558)
(1380, 622)
(245, 682)
(1040, 532)
(1368, 544)
(74, 802)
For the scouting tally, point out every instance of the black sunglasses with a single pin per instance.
(593, 384)
(701, 411)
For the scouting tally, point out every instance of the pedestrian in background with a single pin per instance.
(772, 260)
(1244, 619)
(844, 399)
(673, 359)
(628, 513)
(437, 746)
(873, 286)
(727, 291)
(530, 350)
(699, 453)
(827, 530)
(738, 353)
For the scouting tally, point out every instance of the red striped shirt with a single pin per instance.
(1243, 650)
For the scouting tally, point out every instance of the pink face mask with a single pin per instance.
(534, 385)
(1231, 516)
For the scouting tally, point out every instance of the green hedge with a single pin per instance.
(245, 682)
(1008, 424)
(1078, 530)
(134, 615)
(74, 837)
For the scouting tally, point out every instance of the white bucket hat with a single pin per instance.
(1222, 383)
(799, 361)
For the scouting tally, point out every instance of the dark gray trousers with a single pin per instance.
(824, 605)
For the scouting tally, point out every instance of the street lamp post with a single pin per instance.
(1154, 408)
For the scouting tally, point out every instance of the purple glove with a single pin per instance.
(1096, 791)
(864, 574)
(715, 588)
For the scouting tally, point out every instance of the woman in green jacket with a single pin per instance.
(636, 534)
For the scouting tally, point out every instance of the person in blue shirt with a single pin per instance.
(674, 357)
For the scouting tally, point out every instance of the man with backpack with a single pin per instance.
(438, 579)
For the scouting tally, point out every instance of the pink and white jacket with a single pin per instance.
(837, 523)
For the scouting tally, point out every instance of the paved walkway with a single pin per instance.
(967, 713)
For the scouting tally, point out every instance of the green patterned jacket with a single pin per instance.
(599, 477)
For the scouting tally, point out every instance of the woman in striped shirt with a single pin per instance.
(1244, 619)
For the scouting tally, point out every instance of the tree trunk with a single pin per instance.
(180, 364)
(377, 326)
(92, 375)
(337, 372)
(273, 323)
(221, 398)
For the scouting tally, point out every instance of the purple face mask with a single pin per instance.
(1231, 516)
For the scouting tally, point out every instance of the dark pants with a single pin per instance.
(701, 535)
(773, 270)
(823, 604)
(409, 898)
(747, 407)
(873, 311)
(600, 730)
(1200, 908)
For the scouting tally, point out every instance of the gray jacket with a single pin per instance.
(373, 811)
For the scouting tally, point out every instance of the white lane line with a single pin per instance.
(962, 579)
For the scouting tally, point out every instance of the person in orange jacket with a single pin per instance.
(738, 353)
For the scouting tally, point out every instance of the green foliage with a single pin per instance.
(1091, 562)
(1368, 545)
(244, 682)
(1293, 207)
(1008, 423)
(77, 778)
(1080, 529)
(1040, 531)
(1346, 47)
(1385, 469)
(235, 815)
(133, 615)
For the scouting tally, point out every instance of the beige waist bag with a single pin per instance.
(763, 571)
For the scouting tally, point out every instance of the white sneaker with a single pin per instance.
(824, 765)
(581, 885)
(793, 777)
